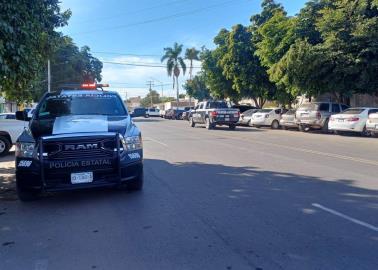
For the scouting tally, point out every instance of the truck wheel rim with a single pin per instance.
(2, 146)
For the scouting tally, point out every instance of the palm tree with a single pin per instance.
(174, 64)
(191, 55)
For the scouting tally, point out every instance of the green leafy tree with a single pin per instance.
(243, 67)
(197, 87)
(151, 98)
(69, 64)
(27, 39)
(346, 60)
(269, 8)
(192, 54)
(219, 86)
(276, 36)
(175, 63)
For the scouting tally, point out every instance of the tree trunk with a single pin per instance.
(178, 90)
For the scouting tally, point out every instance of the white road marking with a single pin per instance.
(360, 160)
(153, 140)
(356, 221)
(304, 150)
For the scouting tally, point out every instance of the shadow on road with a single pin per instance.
(7, 181)
(265, 216)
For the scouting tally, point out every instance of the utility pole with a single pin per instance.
(48, 76)
(150, 83)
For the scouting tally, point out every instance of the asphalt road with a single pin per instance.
(220, 199)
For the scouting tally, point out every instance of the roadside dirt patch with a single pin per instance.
(7, 179)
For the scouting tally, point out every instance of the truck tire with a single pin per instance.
(303, 128)
(5, 145)
(275, 124)
(209, 125)
(232, 127)
(26, 195)
(137, 183)
(191, 122)
(147, 116)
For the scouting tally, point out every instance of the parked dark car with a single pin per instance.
(174, 114)
(139, 112)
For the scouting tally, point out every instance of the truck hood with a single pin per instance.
(81, 124)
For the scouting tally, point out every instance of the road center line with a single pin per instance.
(356, 221)
(155, 141)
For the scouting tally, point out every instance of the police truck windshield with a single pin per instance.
(62, 105)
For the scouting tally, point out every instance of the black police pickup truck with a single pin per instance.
(214, 113)
(78, 139)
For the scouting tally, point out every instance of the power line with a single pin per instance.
(128, 54)
(177, 15)
(141, 64)
(133, 12)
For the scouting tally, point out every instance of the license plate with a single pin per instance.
(82, 178)
(227, 118)
(341, 120)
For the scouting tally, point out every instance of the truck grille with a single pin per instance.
(74, 149)
(63, 156)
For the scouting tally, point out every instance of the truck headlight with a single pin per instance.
(26, 150)
(132, 143)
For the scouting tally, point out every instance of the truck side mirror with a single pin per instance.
(22, 116)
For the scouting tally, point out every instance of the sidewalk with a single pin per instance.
(7, 178)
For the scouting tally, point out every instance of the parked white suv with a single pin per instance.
(351, 120)
(152, 112)
(10, 129)
(267, 117)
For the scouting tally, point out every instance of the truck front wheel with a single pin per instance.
(137, 183)
(27, 195)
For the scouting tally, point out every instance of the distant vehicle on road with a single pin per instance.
(316, 115)
(246, 117)
(174, 114)
(244, 108)
(268, 117)
(214, 113)
(351, 120)
(288, 120)
(10, 129)
(139, 112)
(152, 112)
(162, 113)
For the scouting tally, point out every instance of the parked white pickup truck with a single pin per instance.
(10, 129)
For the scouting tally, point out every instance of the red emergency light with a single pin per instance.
(89, 86)
(93, 85)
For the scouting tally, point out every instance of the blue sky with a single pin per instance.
(137, 31)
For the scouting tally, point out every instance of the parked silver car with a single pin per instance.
(288, 120)
(245, 117)
(316, 115)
